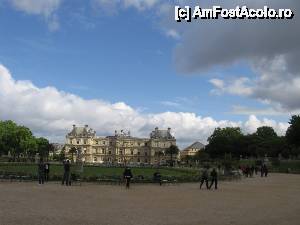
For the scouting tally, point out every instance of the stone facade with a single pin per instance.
(120, 148)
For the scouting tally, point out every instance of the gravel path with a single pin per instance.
(255, 201)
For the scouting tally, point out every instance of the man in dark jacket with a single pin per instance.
(127, 175)
(157, 178)
(204, 177)
(47, 171)
(41, 172)
(214, 179)
(66, 177)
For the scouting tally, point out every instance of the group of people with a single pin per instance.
(249, 171)
(205, 178)
(43, 171)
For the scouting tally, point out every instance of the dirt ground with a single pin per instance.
(261, 201)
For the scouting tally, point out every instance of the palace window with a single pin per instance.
(131, 152)
(109, 152)
(78, 142)
(95, 159)
(138, 160)
(103, 142)
(139, 153)
(146, 153)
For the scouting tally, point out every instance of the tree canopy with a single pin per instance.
(19, 141)
(263, 142)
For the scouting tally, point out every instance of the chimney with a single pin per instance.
(74, 126)
(156, 128)
(86, 126)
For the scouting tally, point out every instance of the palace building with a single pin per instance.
(120, 148)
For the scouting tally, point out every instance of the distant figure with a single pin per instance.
(47, 171)
(262, 170)
(41, 171)
(256, 170)
(252, 169)
(204, 177)
(214, 176)
(66, 177)
(127, 175)
(157, 178)
(266, 171)
(247, 171)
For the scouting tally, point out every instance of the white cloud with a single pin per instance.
(46, 8)
(274, 110)
(238, 86)
(111, 6)
(51, 113)
(253, 123)
(270, 47)
(172, 33)
(169, 103)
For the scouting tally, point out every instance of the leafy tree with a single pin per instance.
(224, 140)
(73, 151)
(19, 140)
(265, 132)
(172, 150)
(201, 156)
(43, 147)
(293, 132)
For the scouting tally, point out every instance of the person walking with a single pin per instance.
(47, 171)
(127, 175)
(262, 170)
(214, 180)
(266, 171)
(41, 171)
(157, 178)
(204, 178)
(66, 177)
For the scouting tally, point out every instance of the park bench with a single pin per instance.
(109, 180)
(169, 181)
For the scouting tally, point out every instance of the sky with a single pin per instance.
(126, 64)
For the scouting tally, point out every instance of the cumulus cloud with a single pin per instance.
(112, 5)
(238, 86)
(46, 8)
(269, 47)
(51, 113)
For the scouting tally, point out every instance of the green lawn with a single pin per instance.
(91, 173)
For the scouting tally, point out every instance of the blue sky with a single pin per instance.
(125, 53)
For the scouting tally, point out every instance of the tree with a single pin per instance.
(265, 132)
(73, 151)
(172, 150)
(201, 156)
(43, 146)
(224, 140)
(293, 132)
(19, 140)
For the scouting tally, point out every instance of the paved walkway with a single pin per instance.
(253, 201)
